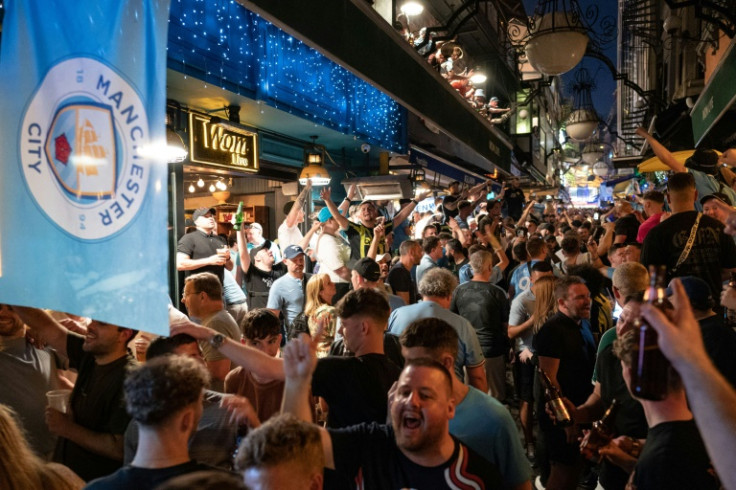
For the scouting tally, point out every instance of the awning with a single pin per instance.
(717, 97)
(654, 164)
(443, 167)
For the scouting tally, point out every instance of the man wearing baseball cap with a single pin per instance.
(259, 270)
(287, 293)
(367, 274)
(711, 207)
(360, 235)
(333, 254)
(198, 251)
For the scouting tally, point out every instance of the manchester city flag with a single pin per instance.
(83, 205)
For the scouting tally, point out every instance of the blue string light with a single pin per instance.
(224, 44)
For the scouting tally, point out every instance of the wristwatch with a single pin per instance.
(217, 340)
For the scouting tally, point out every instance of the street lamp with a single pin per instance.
(314, 157)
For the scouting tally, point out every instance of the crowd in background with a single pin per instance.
(382, 347)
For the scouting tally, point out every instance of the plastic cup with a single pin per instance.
(59, 400)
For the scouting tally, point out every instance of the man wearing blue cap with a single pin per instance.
(286, 295)
(333, 254)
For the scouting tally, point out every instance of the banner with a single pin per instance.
(83, 226)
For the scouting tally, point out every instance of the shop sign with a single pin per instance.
(214, 144)
(717, 97)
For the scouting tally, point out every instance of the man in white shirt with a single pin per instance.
(289, 233)
(333, 254)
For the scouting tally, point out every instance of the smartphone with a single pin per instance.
(596, 216)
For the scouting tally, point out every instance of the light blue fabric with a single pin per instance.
(521, 279)
(287, 296)
(84, 90)
(707, 184)
(469, 352)
(426, 264)
(486, 426)
(522, 308)
(231, 291)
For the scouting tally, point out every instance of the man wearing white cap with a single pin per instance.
(198, 251)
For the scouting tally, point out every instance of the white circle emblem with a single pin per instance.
(78, 147)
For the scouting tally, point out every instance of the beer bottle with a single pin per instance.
(554, 400)
(729, 315)
(601, 433)
(650, 369)
(238, 218)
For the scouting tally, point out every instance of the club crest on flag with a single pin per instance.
(79, 147)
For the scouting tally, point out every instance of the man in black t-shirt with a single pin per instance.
(203, 250)
(566, 352)
(355, 388)
(258, 270)
(91, 436)
(164, 396)
(399, 277)
(674, 456)
(415, 451)
(514, 198)
(486, 307)
(712, 252)
(627, 225)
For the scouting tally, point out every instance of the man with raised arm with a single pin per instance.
(360, 235)
(91, 436)
(355, 388)
(415, 451)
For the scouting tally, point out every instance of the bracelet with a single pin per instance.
(415, 201)
(347, 199)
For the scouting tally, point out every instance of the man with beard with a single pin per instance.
(286, 295)
(28, 373)
(360, 235)
(415, 451)
(91, 436)
(566, 352)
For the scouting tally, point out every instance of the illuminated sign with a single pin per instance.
(222, 145)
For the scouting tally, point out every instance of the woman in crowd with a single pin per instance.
(545, 305)
(319, 310)
(21, 469)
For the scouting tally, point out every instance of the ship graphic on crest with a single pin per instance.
(81, 150)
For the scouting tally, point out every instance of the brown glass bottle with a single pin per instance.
(650, 369)
(554, 400)
(601, 433)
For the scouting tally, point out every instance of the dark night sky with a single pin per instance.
(603, 95)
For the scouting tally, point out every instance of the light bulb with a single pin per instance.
(200, 183)
(191, 188)
(221, 185)
(212, 188)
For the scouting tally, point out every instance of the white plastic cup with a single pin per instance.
(59, 400)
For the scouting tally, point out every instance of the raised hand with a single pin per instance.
(300, 357)
(325, 194)
(241, 411)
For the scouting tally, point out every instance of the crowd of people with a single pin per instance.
(373, 350)
(452, 63)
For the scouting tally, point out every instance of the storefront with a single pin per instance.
(247, 99)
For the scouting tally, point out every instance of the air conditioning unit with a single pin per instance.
(381, 187)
